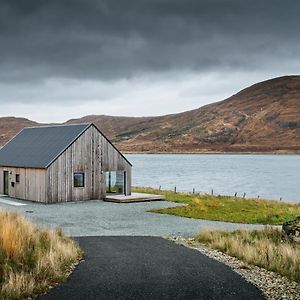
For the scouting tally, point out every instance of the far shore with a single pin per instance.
(279, 152)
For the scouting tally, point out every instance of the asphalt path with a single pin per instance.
(128, 267)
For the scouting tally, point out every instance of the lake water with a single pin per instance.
(269, 176)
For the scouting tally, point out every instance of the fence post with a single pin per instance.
(175, 189)
(244, 195)
(193, 190)
(212, 192)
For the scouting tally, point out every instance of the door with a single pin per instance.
(116, 182)
(5, 182)
(125, 183)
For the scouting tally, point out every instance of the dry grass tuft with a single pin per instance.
(264, 248)
(32, 259)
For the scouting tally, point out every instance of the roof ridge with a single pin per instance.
(57, 125)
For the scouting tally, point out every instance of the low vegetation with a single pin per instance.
(263, 248)
(32, 259)
(226, 208)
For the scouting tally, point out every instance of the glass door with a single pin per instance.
(115, 182)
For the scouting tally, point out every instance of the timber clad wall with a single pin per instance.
(91, 153)
(87, 154)
(32, 185)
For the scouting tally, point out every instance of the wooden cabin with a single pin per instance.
(52, 164)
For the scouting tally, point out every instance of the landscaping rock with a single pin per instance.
(291, 229)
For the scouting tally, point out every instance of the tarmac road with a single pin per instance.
(136, 267)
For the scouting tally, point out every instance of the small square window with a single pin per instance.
(17, 178)
(79, 179)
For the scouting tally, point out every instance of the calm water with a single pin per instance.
(269, 176)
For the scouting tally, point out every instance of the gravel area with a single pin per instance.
(272, 285)
(96, 217)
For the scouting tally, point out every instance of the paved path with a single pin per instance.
(93, 218)
(149, 268)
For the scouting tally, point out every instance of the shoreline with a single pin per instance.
(211, 152)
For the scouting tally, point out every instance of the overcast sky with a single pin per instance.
(62, 59)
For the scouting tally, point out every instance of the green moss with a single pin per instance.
(226, 208)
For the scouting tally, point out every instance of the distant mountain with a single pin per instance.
(264, 117)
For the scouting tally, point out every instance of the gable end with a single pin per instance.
(79, 135)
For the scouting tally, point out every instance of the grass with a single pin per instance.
(32, 259)
(263, 248)
(226, 208)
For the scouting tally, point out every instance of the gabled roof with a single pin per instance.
(37, 147)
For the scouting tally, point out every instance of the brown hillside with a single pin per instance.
(262, 118)
(10, 126)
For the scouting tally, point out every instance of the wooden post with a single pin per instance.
(244, 195)
(212, 192)
(175, 189)
(193, 190)
(235, 194)
(280, 199)
(159, 187)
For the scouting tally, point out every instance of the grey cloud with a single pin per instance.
(112, 39)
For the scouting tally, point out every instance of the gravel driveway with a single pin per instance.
(92, 218)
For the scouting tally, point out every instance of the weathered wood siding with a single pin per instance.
(112, 160)
(32, 185)
(92, 154)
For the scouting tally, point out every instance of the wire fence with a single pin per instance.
(212, 192)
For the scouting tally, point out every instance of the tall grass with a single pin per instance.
(264, 248)
(32, 259)
(227, 208)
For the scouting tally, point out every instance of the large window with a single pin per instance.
(78, 179)
(115, 182)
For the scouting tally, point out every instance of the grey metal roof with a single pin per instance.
(37, 147)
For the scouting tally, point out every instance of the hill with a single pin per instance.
(264, 117)
(10, 126)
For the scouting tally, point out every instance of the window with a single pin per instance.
(115, 182)
(79, 179)
(17, 178)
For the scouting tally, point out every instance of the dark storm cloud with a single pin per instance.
(112, 39)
